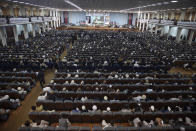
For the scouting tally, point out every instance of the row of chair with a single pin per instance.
(122, 81)
(105, 75)
(69, 105)
(99, 95)
(122, 87)
(111, 117)
(19, 74)
(99, 128)
(19, 79)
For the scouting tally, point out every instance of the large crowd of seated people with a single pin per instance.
(130, 51)
(118, 81)
(35, 53)
(20, 64)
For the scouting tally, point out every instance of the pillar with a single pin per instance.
(144, 22)
(191, 37)
(140, 27)
(43, 26)
(190, 17)
(11, 10)
(156, 29)
(56, 14)
(48, 28)
(164, 14)
(50, 24)
(31, 12)
(26, 33)
(34, 26)
(54, 24)
(182, 16)
(59, 22)
(138, 19)
(39, 29)
(169, 32)
(162, 30)
(151, 30)
(3, 36)
(178, 34)
(147, 21)
(15, 33)
(195, 17)
(23, 11)
(153, 15)
(172, 15)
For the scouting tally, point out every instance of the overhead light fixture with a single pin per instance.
(165, 3)
(69, 2)
(159, 3)
(174, 1)
(148, 5)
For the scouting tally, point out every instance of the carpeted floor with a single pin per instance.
(181, 70)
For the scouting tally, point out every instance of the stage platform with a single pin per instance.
(94, 28)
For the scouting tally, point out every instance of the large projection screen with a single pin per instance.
(100, 19)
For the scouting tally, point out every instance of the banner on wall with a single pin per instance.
(130, 16)
(66, 17)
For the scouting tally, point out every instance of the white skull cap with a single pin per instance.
(105, 98)
(143, 96)
(94, 108)
(152, 108)
(19, 88)
(83, 107)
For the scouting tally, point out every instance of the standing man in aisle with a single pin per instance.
(41, 78)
